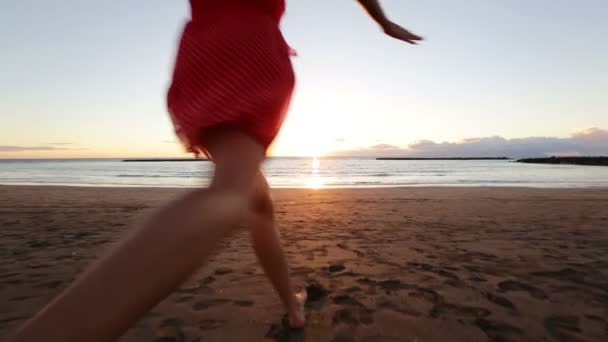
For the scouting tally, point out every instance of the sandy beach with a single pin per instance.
(389, 264)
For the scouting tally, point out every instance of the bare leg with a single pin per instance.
(267, 245)
(158, 255)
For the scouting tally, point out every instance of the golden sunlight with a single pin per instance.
(314, 180)
(309, 132)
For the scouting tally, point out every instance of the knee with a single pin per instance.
(225, 206)
(261, 204)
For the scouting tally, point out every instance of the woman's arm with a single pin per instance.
(375, 11)
(373, 8)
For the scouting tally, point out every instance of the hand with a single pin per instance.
(400, 33)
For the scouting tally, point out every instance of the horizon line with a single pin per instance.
(305, 157)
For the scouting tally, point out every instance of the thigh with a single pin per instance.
(261, 201)
(237, 159)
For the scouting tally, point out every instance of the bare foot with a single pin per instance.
(297, 318)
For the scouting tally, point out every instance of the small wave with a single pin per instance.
(427, 171)
(380, 175)
(152, 176)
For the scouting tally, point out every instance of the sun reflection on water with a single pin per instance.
(314, 180)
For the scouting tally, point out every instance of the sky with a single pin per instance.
(88, 78)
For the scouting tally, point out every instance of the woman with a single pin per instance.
(231, 87)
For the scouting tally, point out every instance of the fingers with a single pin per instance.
(402, 34)
(413, 39)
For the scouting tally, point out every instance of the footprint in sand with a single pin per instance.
(394, 285)
(343, 336)
(49, 284)
(353, 289)
(478, 279)
(458, 310)
(38, 244)
(347, 300)
(366, 281)
(499, 331)
(342, 245)
(302, 270)
(208, 280)
(183, 299)
(223, 270)
(447, 274)
(455, 283)
(19, 298)
(597, 279)
(420, 266)
(205, 304)
(353, 316)
(13, 319)
(282, 332)
(19, 251)
(498, 300)
(63, 257)
(510, 285)
(9, 275)
(169, 330)
(428, 294)
(390, 305)
(315, 295)
(189, 288)
(440, 272)
(378, 338)
(595, 318)
(211, 324)
(337, 267)
(243, 303)
(562, 328)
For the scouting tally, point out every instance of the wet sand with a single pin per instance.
(398, 264)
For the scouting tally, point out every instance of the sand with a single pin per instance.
(400, 264)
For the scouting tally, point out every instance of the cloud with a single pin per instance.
(379, 150)
(11, 148)
(8, 148)
(169, 141)
(60, 143)
(592, 141)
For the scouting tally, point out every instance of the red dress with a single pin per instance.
(232, 68)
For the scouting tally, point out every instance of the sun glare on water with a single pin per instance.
(314, 180)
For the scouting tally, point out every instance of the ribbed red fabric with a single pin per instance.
(232, 68)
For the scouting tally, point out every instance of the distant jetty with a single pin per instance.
(166, 160)
(478, 158)
(594, 161)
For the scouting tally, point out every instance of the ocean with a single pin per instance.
(305, 173)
